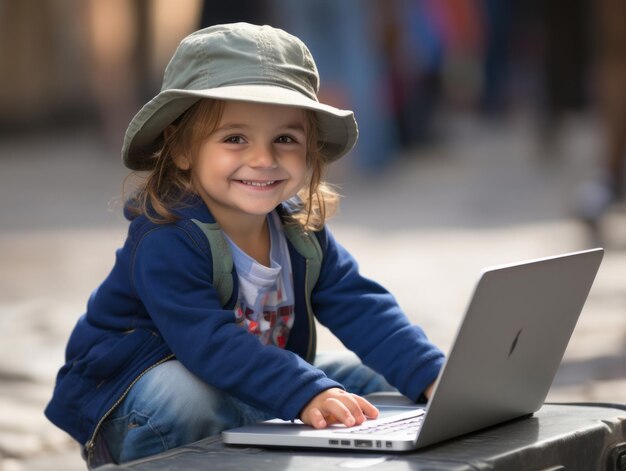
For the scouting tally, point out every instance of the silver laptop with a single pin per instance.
(500, 367)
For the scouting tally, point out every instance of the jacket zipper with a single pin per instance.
(89, 446)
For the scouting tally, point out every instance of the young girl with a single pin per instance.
(237, 140)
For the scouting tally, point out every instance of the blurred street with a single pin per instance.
(486, 193)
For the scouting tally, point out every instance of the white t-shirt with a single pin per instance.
(266, 302)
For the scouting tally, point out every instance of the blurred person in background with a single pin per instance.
(601, 192)
(344, 35)
(232, 11)
(413, 46)
(566, 34)
(118, 62)
(610, 18)
(498, 17)
(612, 88)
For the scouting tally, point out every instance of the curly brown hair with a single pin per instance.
(166, 186)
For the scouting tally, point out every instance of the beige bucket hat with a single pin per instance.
(241, 62)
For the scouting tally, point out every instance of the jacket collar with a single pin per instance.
(192, 207)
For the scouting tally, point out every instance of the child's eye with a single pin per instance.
(285, 140)
(234, 140)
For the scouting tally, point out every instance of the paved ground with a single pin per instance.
(487, 194)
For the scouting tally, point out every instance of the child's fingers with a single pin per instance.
(342, 413)
(316, 418)
(338, 406)
(370, 411)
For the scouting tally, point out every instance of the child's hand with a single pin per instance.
(337, 406)
(429, 390)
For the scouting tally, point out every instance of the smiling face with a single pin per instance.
(254, 160)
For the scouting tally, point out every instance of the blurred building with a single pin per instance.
(43, 56)
(77, 61)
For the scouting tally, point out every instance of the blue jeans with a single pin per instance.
(169, 407)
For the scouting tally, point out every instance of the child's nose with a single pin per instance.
(263, 157)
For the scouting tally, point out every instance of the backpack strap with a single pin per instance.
(222, 259)
(305, 243)
(308, 245)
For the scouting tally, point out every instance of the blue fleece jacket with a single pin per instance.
(158, 303)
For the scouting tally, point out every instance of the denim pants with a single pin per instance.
(169, 407)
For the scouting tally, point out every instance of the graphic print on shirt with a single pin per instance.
(272, 325)
(265, 304)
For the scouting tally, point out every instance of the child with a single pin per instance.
(165, 355)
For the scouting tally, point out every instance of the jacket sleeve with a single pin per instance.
(172, 277)
(368, 321)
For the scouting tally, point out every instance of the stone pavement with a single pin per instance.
(488, 194)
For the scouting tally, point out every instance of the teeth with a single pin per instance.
(259, 184)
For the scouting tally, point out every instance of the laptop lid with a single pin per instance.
(510, 344)
(501, 365)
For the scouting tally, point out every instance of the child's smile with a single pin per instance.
(253, 161)
(260, 185)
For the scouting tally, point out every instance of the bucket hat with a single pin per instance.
(241, 62)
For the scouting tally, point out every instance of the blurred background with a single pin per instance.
(491, 131)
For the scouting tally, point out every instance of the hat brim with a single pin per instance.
(338, 130)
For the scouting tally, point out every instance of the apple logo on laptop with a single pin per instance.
(514, 344)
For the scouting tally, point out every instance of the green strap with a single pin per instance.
(305, 243)
(222, 259)
(309, 247)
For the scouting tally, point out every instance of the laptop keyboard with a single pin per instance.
(403, 426)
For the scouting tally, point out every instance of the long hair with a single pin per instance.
(166, 186)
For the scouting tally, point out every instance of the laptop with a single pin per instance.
(501, 365)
